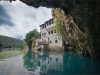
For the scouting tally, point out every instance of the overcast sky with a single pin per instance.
(17, 18)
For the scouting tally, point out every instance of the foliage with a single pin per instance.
(1, 44)
(57, 20)
(57, 11)
(10, 42)
(34, 33)
(57, 27)
(29, 57)
(21, 46)
(5, 40)
(28, 38)
(33, 44)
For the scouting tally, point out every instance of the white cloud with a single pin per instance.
(25, 18)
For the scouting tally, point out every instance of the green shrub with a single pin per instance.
(57, 20)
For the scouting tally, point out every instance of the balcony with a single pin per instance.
(43, 43)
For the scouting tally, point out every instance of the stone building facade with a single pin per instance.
(49, 35)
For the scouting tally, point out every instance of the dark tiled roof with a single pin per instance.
(46, 22)
(42, 25)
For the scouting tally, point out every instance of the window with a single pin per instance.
(44, 33)
(49, 41)
(51, 32)
(44, 26)
(49, 23)
(56, 41)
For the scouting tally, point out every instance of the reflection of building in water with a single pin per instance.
(51, 64)
(60, 63)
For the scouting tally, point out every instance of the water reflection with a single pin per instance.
(8, 54)
(60, 63)
(28, 60)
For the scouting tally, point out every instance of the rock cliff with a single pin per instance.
(80, 22)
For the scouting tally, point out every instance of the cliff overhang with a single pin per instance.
(80, 22)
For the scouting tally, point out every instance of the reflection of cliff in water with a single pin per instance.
(60, 62)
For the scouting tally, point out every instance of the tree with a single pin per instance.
(28, 38)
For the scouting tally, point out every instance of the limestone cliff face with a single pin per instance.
(80, 24)
(72, 34)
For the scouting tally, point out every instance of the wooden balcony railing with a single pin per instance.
(43, 43)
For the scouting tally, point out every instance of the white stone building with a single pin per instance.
(49, 35)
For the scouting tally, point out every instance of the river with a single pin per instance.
(47, 63)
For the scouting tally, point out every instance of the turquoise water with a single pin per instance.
(48, 63)
(61, 63)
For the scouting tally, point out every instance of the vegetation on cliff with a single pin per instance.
(57, 20)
